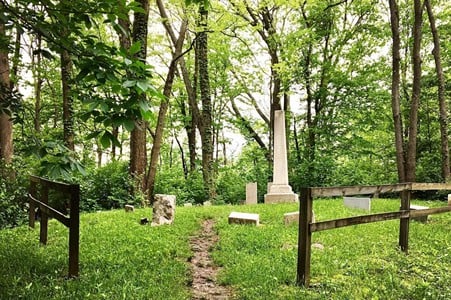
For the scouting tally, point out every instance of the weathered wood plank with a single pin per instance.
(359, 190)
(429, 211)
(50, 211)
(58, 186)
(337, 223)
(431, 186)
(304, 237)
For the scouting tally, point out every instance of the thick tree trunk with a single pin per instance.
(443, 111)
(138, 154)
(205, 124)
(416, 90)
(395, 93)
(6, 125)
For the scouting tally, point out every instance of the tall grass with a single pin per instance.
(121, 259)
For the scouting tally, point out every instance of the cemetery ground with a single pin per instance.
(121, 259)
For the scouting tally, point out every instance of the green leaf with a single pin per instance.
(129, 125)
(105, 140)
(135, 48)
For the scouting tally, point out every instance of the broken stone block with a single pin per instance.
(163, 210)
(244, 218)
(423, 219)
(129, 208)
(293, 217)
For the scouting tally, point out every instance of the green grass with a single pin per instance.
(120, 259)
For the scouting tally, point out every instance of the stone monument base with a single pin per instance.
(281, 198)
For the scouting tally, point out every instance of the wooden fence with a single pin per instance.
(39, 198)
(306, 227)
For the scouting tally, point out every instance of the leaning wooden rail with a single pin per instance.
(307, 227)
(72, 222)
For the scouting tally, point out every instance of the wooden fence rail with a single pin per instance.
(39, 198)
(307, 227)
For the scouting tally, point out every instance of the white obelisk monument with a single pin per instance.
(280, 191)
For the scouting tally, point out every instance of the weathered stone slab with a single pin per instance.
(207, 203)
(244, 218)
(251, 193)
(293, 217)
(423, 219)
(188, 204)
(163, 210)
(129, 208)
(357, 202)
(449, 199)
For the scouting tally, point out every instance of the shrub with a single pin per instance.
(107, 187)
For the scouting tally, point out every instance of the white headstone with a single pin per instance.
(449, 199)
(163, 210)
(293, 217)
(189, 204)
(244, 218)
(251, 193)
(356, 202)
(280, 190)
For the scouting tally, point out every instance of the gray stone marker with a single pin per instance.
(207, 203)
(251, 193)
(187, 204)
(163, 210)
(129, 208)
(293, 217)
(423, 219)
(280, 191)
(449, 199)
(244, 218)
(357, 202)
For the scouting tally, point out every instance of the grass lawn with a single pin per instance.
(121, 259)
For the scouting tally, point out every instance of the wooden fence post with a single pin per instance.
(404, 222)
(74, 228)
(304, 237)
(44, 217)
(32, 211)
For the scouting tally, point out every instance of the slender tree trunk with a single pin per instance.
(37, 85)
(395, 93)
(158, 139)
(205, 124)
(6, 125)
(416, 90)
(443, 111)
(138, 155)
(68, 127)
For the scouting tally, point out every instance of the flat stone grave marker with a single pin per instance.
(423, 219)
(244, 218)
(129, 208)
(251, 193)
(357, 202)
(293, 217)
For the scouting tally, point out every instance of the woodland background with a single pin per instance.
(130, 99)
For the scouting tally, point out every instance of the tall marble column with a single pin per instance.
(280, 190)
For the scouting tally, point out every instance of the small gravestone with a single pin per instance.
(422, 219)
(207, 203)
(244, 218)
(449, 199)
(163, 210)
(188, 204)
(293, 217)
(357, 202)
(129, 208)
(251, 193)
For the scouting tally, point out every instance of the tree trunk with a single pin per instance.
(68, 127)
(443, 111)
(138, 155)
(6, 125)
(395, 93)
(416, 90)
(155, 153)
(205, 124)
(37, 85)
